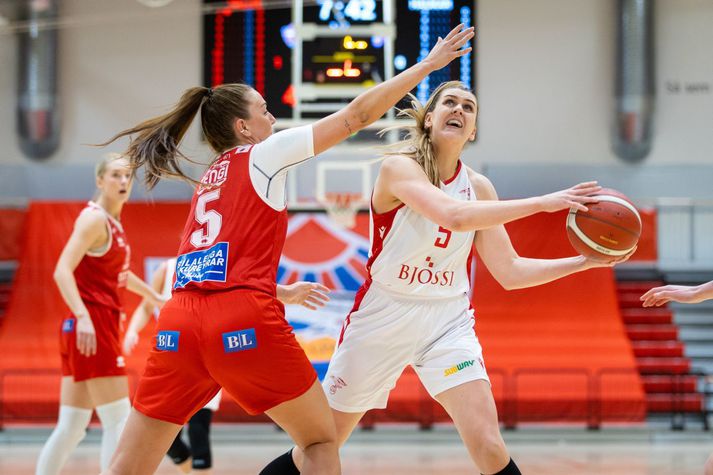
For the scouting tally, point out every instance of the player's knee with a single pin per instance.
(323, 433)
(73, 434)
(491, 447)
(114, 414)
(324, 440)
(72, 423)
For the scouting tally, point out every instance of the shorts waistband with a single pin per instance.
(411, 297)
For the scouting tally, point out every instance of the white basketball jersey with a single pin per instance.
(413, 256)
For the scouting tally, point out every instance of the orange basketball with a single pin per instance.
(611, 228)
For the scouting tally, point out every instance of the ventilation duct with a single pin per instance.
(634, 80)
(37, 111)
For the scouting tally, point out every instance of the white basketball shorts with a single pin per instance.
(386, 333)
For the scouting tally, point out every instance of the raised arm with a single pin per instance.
(375, 102)
(90, 232)
(401, 180)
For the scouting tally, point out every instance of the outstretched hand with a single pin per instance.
(671, 293)
(449, 48)
(308, 294)
(574, 197)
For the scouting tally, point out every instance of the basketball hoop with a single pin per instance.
(342, 208)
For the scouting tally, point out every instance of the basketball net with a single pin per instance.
(342, 208)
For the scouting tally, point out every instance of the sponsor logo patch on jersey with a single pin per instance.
(199, 266)
(239, 340)
(214, 176)
(336, 383)
(167, 340)
(67, 325)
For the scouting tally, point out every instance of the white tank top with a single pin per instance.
(413, 256)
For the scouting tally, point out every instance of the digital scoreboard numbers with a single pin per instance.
(342, 14)
(255, 46)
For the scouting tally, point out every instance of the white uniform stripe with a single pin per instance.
(572, 224)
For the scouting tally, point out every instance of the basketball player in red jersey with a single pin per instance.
(224, 325)
(91, 273)
(198, 455)
(428, 210)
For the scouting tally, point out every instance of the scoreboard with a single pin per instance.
(334, 45)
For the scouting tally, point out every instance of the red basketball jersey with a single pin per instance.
(233, 237)
(101, 275)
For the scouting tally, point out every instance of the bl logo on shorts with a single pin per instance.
(239, 340)
(167, 340)
(68, 325)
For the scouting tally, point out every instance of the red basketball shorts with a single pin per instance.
(238, 340)
(107, 361)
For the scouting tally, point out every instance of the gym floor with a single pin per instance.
(399, 450)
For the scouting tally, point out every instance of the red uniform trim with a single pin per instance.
(455, 175)
(361, 293)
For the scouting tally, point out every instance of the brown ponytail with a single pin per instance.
(156, 145)
(417, 143)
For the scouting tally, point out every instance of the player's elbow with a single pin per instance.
(506, 273)
(455, 219)
(58, 274)
(508, 282)
(359, 116)
(508, 285)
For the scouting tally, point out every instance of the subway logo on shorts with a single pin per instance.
(458, 367)
(167, 340)
(239, 340)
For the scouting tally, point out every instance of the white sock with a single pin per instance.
(70, 430)
(112, 416)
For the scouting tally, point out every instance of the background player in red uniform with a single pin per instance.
(428, 210)
(198, 455)
(224, 325)
(93, 267)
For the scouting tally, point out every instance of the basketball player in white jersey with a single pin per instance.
(199, 456)
(427, 210)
